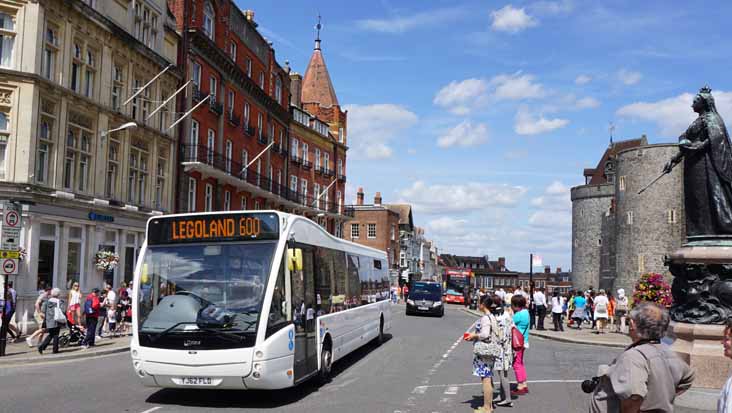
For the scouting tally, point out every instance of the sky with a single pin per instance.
(483, 114)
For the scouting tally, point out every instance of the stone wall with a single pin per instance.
(643, 240)
(589, 205)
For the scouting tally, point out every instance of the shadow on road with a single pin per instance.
(255, 398)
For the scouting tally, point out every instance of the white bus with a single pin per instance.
(251, 300)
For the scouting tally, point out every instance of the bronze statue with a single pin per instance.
(702, 290)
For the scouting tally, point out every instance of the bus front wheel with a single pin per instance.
(326, 363)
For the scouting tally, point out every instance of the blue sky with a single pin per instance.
(482, 114)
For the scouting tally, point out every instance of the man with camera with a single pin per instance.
(647, 376)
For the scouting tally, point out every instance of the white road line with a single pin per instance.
(451, 390)
(152, 410)
(419, 390)
(444, 356)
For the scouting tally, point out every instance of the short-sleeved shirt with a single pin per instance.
(651, 371)
(521, 320)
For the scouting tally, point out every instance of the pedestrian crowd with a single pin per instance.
(105, 313)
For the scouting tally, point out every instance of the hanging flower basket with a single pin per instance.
(22, 253)
(106, 260)
(652, 287)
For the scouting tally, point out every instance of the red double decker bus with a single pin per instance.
(456, 279)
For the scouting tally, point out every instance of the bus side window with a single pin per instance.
(278, 310)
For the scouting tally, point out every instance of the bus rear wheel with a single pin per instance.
(326, 363)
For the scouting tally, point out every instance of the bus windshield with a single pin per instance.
(195, 287)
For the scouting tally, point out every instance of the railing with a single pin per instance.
(249, 130)
(328, 172)
(214, 106)
(296, 159)
(282, 152)
(198, 94)
(307, 164)
(341, 178)
(234, 118)
(262, 138)
(319, 170)
(202, 154)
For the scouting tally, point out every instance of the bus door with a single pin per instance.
(303, 301)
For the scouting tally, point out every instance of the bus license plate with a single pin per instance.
(422, 308)
(196, 381)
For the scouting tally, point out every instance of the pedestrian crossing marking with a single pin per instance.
(451, 390)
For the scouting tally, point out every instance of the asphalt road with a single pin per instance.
(423, 367)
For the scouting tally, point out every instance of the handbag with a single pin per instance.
(490, 349)
(517, 339)
(58, 315)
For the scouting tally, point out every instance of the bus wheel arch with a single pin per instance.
(326, 360)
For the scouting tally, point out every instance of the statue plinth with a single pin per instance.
(702, 289)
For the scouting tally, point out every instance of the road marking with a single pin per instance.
(152, 410)
(419, 390)
(451, 390)
(445, 400)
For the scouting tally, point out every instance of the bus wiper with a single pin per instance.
(235, 338)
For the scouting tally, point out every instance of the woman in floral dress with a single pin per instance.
(482, 367)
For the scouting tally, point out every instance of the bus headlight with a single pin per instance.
(134, 353)
(258, 354)
(410, 302)
(437, 304)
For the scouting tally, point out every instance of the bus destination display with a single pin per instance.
(212, 228)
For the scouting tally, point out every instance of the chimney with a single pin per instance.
(559, 269)
(377, 198)
(547, 270)
(359, 196)
(501, 263)
(296, 89)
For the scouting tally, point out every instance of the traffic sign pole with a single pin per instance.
(11, 225)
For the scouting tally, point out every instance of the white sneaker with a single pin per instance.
(99, 337)
(29, 341)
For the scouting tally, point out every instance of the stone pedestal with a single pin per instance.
(700, 345)
(702, 303)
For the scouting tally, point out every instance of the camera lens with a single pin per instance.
(589, 386)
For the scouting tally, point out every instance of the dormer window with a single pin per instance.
(209, 17)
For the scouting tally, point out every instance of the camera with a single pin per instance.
(589, 386)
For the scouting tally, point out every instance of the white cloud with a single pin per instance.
(628, 77)
(582, 79)
(460, 97)
(587, 103)
(554, 207)
(462, 197)
(511, 20)
(673, 115)
(401, 24)
(465, 134)
(372, 127)
(528, 124)
(446, 226)
(550, 219)
(516, 87)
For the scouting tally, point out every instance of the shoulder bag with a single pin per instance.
(489, 349)
(58, 314)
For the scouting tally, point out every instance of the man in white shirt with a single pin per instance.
(540, 303)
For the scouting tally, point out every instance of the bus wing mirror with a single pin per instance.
(294, 259)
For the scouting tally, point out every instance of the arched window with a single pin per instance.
(209, 18)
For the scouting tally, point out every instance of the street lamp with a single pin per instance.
(128, 125)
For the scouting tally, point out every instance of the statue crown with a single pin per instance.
(705, 89)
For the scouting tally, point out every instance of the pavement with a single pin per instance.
(20, 353)
(423, 367)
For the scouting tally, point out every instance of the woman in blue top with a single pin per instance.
(521, 321)
(579, 309)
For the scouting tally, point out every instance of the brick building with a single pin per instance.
(488, 274)
(375, 225)
(234, 151)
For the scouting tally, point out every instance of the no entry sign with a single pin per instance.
(9, 266)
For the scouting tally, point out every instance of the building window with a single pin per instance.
(354, 231)
(196, 74)
(46, 256)
(90, 72)
(293, 184)
(210, 142)
(317, 159)
(230, 108)
(316, 194)
(7, 39)
(244, 203)
(244, 162)
(232, 50)
(208, 198)
(73, 256)
(599, 242)
(371, 231)
(630, 218)
(339, 195)
(304, 191)
(259, 172)
(340, 168)
(295, 148)
(341, 135)
(136, 100)
(111, 184)
(278, 89)
(229, 155)
(193, 142)
(50, 51)
(76, 65)
(137, 179)
(245, 116)
(304, 152)
(393, 233)
(46, 135)
(78, 157)
(209, 20)
(191, 195)
(261, 80)
(621, 183)
(249, 67)
(227, 200)
(641, 263)
(213, 89)
(671, 216)
(256, 204)
(118, 86)
(160, 178)
(260, 121)
(326, 161)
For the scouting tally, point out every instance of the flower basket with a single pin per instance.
(652, 287)
(106, 260)
(22, 253)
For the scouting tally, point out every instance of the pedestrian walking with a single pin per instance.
(724, 404)
(570, 308)
(55, 318)
(648, 375)
(540, 303)
(521, 320)
(92, 307)
(601, 311)
(557, 310)
(484, 330)
(578, 315)
(7, 309)
(38, 315)
(611, 310)
(589, 307)
(502, 364)
(74, 300)
(124, 307)
(621, 310)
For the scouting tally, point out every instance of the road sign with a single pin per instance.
(12, 223)
(9, 266)
(9, 254)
